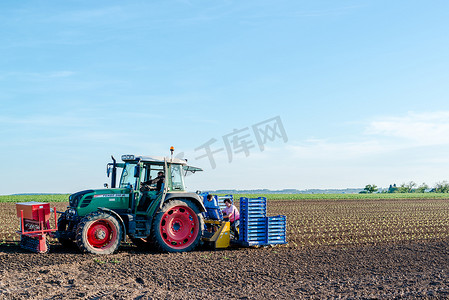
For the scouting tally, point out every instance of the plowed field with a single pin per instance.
(353, 249)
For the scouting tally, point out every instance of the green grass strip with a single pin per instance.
(380, 196)
(37, 198)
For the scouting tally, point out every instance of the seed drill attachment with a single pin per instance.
(35, 225)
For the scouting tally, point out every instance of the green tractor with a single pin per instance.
(150, 206)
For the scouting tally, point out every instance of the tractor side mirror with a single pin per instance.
(137, 171)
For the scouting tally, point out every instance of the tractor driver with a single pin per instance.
(147, 198)
(159, 181)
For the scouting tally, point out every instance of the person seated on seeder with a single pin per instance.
(212, 211)
(231, 214)
(212, 208)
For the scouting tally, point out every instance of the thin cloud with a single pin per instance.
(87, 15)
(60, 74)
(38, 76)
(382, 136)
(295, 14)
(421, 129)
(323, 149)
(45, 121)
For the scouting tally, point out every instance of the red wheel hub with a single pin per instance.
(179, 227)
(101, 233)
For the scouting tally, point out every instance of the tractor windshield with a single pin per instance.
(127, 178)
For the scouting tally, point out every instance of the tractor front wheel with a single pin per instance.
(178, 226)
(99, 233)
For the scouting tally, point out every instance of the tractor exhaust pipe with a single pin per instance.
(113, 173)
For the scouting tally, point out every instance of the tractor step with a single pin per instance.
(142, 227)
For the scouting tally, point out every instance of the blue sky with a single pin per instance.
(360, 88)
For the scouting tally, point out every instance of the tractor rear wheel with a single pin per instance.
(178, 226)
(99, 233)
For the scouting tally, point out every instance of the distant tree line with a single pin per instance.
(411, 187)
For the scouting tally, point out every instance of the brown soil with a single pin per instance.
(400, 269)
(363, 272)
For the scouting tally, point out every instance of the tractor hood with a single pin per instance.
(75, 198)
(83, 198)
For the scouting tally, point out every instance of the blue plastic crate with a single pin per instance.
(259, 220)
(258, 229)
(249, 201)
(253, 230)
(253, 208)
(277, 218)
(276, 230)
(251, 211)
(278, 240)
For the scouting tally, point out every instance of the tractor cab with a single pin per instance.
(139, 169)
(152, 178)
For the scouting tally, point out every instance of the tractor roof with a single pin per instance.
(159, 160)
(153, 159)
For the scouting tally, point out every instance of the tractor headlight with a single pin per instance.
(128, 157)
(71, 211)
